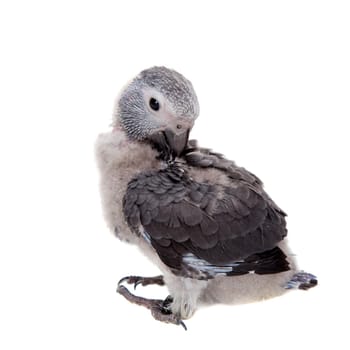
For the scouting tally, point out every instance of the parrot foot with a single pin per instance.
(144, 281)
(160, 309)
(302, 280)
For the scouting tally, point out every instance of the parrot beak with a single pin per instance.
(177, 141)
(172, 140)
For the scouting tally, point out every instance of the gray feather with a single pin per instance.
(219, 224)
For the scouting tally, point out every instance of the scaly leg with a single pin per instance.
(160, 309)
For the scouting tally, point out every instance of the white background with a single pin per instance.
(272, 78)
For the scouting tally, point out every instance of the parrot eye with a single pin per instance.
(154, 104)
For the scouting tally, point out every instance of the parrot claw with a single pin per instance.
(144, 281)
(165, 315)
(160, 309)
(302, 280)
(183, 325)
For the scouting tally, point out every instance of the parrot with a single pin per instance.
(205, 222)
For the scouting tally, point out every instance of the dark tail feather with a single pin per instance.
(268, 262)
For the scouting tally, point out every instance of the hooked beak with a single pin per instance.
(177, 141)
(170, 143)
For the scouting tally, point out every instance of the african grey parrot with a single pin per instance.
(208, 224)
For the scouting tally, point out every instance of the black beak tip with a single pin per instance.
(177, 141)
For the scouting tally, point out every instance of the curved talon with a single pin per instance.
(144, 281)
(136, 280)
(122, 280)
(181, 323)
(137, 283)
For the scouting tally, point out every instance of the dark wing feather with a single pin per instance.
(194, 226)
(206, 158)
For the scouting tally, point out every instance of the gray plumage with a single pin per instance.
(208, 224)
(173, 91)
(218, 224)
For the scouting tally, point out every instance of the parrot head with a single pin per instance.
(160, 106)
